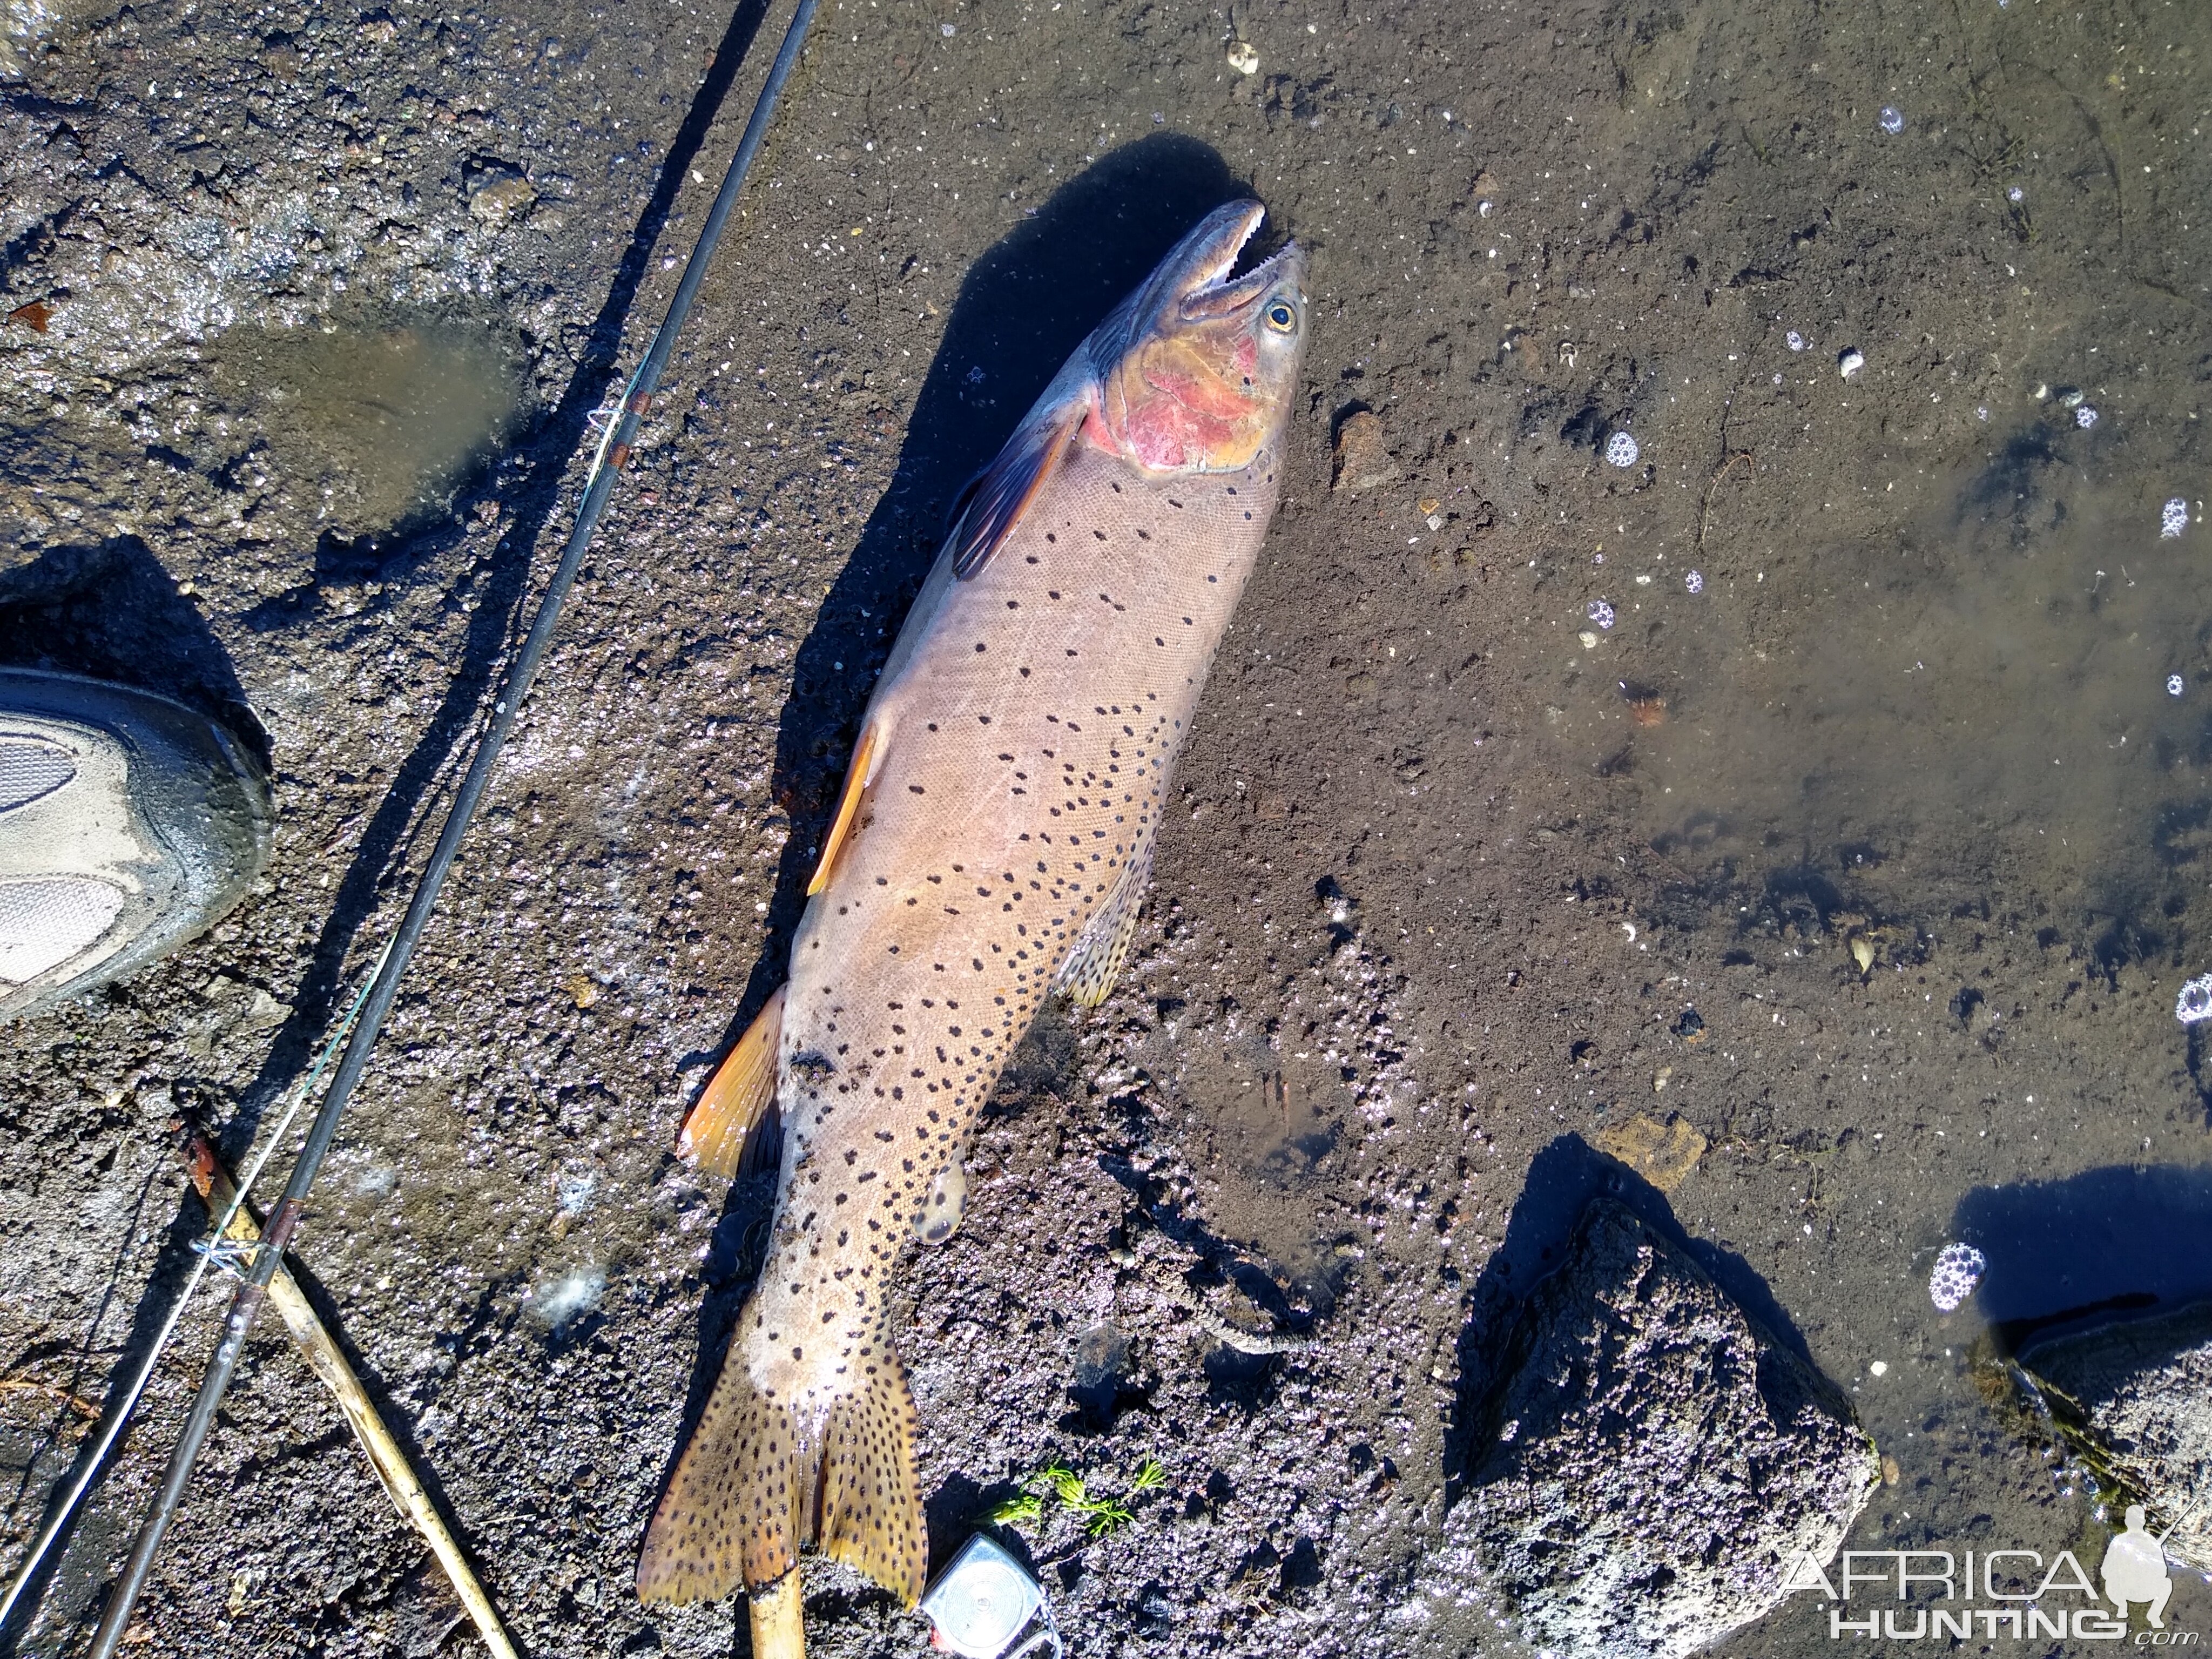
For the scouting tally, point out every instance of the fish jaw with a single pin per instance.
(1196, 373)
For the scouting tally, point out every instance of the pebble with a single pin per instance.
(1849, 362)
(501, 199)
(1880, 1368)
(1695, 581)
(1893, 119)
(1601, 613)
(2172, 519)
(2195, 1002)
(1794, 340)
(1622, 450)
(1363, 459)
(1958, 1269)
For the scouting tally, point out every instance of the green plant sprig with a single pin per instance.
(1100, 1516)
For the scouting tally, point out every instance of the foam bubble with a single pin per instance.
(1958, 1269)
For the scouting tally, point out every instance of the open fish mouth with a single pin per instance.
(1200, 271)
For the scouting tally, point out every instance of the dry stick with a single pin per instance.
(119, 1407)
(324, 1359)
(53, 1391)
(779, 1619)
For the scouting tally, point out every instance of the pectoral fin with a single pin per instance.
(737, 1097)
(1003, 490)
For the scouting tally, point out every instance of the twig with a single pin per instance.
(1706, 505)
(779, 1622)
(53, 1391)
(121, 1406)
(324, 1359)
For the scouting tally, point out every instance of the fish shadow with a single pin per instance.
(1025, 306)
(1564, 1179)
(2108, 1243)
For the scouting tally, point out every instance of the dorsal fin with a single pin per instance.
(1003, 490)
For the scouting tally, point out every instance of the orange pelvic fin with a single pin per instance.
(858, 777)
(737, 1097)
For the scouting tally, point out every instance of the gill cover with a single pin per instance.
(1192, 373)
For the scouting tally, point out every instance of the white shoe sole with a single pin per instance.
(128, 824)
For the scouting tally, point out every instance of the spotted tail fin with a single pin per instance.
(757, 1483)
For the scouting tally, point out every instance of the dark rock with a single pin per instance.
(1102, 1359)
(1650, 1461)
(2133, 1401)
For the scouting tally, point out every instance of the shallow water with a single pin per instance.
(379, 418)
(2007, 691)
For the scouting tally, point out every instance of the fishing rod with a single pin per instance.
(206, 1253)
(607, 466)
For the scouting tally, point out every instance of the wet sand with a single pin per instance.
(1446, 876)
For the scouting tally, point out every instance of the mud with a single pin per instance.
(1448, 882)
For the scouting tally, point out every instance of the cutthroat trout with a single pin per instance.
(992, 844)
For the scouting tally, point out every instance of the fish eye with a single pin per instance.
(1281, 317)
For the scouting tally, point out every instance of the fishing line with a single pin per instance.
(208, 1250)
(276, 1237)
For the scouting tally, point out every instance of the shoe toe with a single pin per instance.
(129, 824)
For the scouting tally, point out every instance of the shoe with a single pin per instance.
(128, 824)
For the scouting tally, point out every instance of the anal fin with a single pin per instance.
(858, 776)
(736, 1098)
(1091, 968)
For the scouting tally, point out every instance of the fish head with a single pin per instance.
(1195, 371)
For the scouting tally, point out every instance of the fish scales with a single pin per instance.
(960, 898)
(1007, 787)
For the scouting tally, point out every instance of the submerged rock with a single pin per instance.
(1362, 457)
(2132, 1402)
(1651, 1460)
